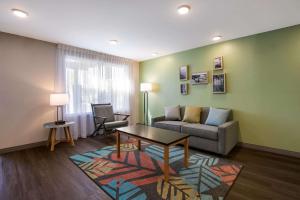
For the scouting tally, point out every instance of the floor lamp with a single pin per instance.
(146, 88)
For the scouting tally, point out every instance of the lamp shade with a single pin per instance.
(146, 87)
(59, 99)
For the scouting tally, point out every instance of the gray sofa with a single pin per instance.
(219, 139)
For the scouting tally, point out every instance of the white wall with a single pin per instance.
(26, 80)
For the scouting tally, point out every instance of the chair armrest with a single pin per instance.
(125, 115)
(228, 136)
(157, 119)
(99, 117)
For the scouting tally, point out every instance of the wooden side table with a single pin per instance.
(52, 133)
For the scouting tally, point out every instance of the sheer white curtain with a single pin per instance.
(92, 77)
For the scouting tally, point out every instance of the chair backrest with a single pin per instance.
(103, 110)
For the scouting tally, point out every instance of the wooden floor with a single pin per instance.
(37, 174)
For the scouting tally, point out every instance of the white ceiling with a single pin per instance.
(145, 26)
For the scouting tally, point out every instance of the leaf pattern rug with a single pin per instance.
(138, 175)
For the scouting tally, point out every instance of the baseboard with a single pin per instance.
(270, 149)
(22, 147)
(241, 144)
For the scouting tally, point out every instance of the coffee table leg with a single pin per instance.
(166, 163)
(139, 144)
(186, 152)
(118, 144)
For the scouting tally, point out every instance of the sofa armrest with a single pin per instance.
(228, 136)
(157, 119)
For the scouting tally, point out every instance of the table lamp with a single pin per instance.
(59, 100)
(146, 88)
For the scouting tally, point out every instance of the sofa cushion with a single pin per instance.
(172, 113)
(170, 125)
(204, 114)
(201, 130)
(182, 110)
(192, 114)
(217, 117)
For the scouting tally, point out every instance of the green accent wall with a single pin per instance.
(263, 85)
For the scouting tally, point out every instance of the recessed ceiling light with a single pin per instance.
(184, 9)
(216, 38)
(114, 42)
(155, 54)
(19, 13)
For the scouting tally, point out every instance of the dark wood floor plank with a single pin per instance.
(38, 174)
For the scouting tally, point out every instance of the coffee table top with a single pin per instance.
(157, 135)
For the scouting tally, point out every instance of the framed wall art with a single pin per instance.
(219, 83)
(184, 88)
(183, 73)
(218, 63)
(199, 78)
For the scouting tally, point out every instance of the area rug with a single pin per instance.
(138, 175)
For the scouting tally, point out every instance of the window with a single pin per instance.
(94, 81)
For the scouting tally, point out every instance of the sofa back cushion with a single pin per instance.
(182, 109)
(172, 113)
(217, 117)
(204, 114)
(192, 114)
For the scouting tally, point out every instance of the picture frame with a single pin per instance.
(218, 63)
(183, 73)
(199, 78)
(219, 83)
(184, 88)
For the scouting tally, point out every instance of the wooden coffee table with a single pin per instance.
(162, 137)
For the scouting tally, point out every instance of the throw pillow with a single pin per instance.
(192, 114)
(172, 113)
(217, 117)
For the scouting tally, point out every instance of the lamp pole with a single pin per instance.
(57, 113)
(145, 108)
(146, 88)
